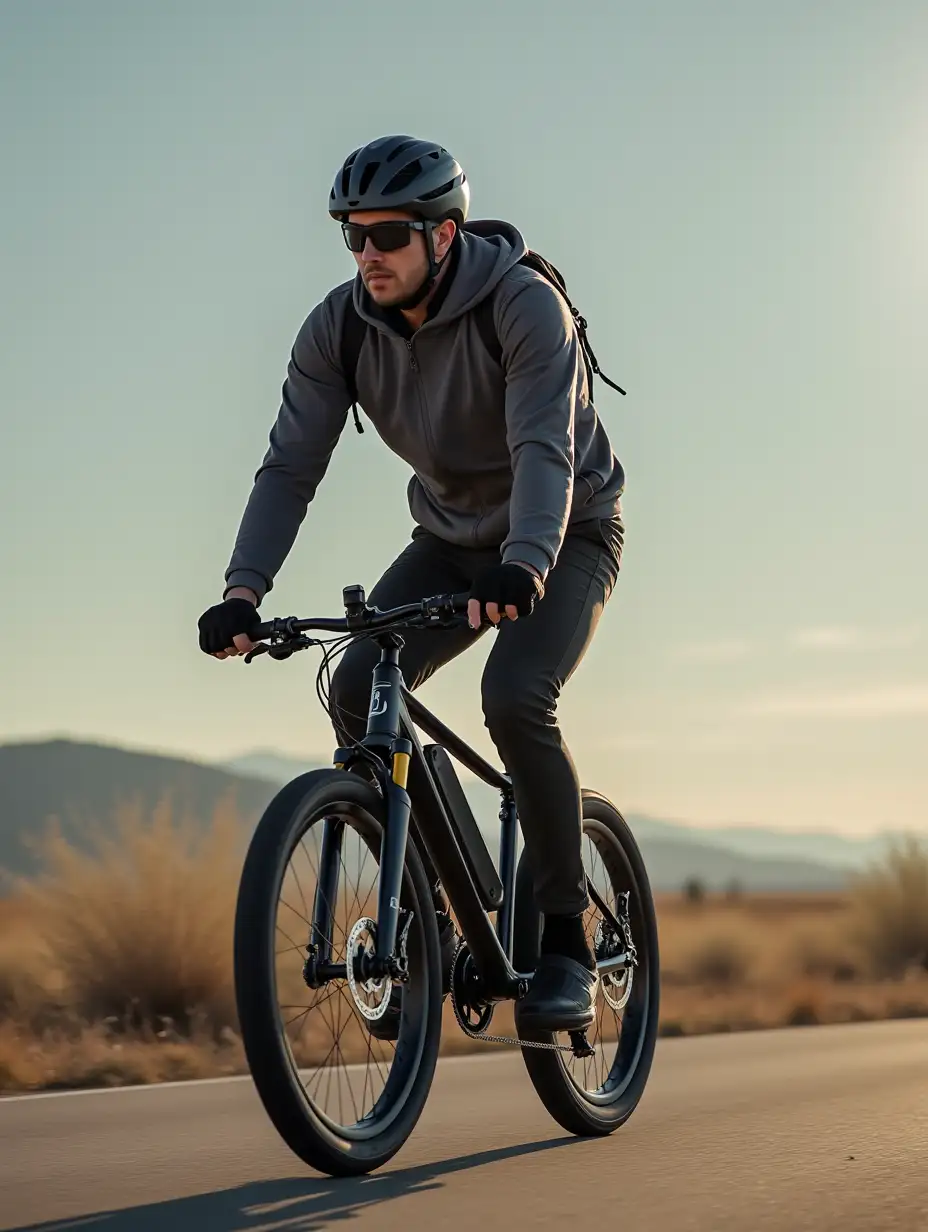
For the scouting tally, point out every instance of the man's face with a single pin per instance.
(391, 277)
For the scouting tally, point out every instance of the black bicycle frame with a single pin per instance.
(392, 744)
(491, 947)
(392, 739)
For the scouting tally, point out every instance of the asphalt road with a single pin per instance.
(820, 1128)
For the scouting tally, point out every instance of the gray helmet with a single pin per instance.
(401, 173)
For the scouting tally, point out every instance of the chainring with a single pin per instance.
(473, 1016)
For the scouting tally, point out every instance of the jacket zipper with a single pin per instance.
(423, 409)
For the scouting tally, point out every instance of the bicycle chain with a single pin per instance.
(482, 1036)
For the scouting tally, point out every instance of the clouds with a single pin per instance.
(852, 638)
(868, 703)
(722, 650)
(816, 639)
(840, 673)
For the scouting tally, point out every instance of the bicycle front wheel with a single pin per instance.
(344, 1087)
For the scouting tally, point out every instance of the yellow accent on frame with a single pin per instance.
(400, 769)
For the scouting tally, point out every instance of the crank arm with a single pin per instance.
(608, 966)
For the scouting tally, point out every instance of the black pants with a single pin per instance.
(530, 662)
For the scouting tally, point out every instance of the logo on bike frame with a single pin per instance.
(378, 703)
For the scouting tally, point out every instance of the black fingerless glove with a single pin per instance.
(219, 625)
(507, 584)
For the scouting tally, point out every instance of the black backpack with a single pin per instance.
(355, 330)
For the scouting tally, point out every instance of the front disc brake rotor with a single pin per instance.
(371, 996)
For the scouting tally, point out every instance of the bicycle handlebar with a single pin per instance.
(360, 618)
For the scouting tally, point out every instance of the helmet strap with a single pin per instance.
(428, 284)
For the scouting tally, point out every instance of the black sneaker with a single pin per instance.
(387, 1027)
(562, 996)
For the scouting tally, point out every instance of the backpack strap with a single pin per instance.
(354, 331)
(486, 327)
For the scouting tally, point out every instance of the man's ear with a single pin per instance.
(444, 234)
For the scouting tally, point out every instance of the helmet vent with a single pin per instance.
(399, 149)
(437, 192)
(346, 172)
(366, 176)
(404, 177)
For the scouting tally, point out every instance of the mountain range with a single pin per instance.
(821, 847)
(78, 782)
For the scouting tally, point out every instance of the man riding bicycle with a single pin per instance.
(515, 495)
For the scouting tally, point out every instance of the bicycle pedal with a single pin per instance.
(580, 1044)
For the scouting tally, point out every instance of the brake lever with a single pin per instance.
(282, 650)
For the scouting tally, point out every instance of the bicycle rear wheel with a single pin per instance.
(342, 1099)
(596, 1095)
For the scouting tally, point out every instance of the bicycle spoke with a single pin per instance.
(293, 944)
(297, 880)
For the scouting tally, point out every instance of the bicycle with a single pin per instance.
(389, 970)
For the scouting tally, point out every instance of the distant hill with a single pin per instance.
(266, 764)
(821, 847)
(817, 847)
(78, 781)
(672, 851)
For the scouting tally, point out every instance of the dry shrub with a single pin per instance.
(694, 891)
(27, 992)
(140, 924)
(822, 952)
(805, 1003)
(92, 1057)
(890, 910)
(721, 957)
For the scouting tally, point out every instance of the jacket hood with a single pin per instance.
(488, 250)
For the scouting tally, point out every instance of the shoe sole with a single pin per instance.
(546, 1022)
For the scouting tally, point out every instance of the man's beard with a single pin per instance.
(391, 292)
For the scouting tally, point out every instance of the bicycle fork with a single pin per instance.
(382, 737)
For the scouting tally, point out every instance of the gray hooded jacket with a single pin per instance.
(506, 456)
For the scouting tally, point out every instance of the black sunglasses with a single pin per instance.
(385, 236)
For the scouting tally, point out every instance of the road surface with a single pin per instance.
(819, 1128)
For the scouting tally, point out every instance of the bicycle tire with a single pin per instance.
(308, 1131)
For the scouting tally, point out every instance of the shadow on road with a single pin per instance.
(292, 1204)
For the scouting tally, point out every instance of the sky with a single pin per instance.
(737, 194)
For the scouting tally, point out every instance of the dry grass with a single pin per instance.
(94, 1056)
(781, 960)
(138, 928)
(115, 964)
(890, 922)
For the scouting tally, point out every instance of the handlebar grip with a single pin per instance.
(263, 631)
(459, 601)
